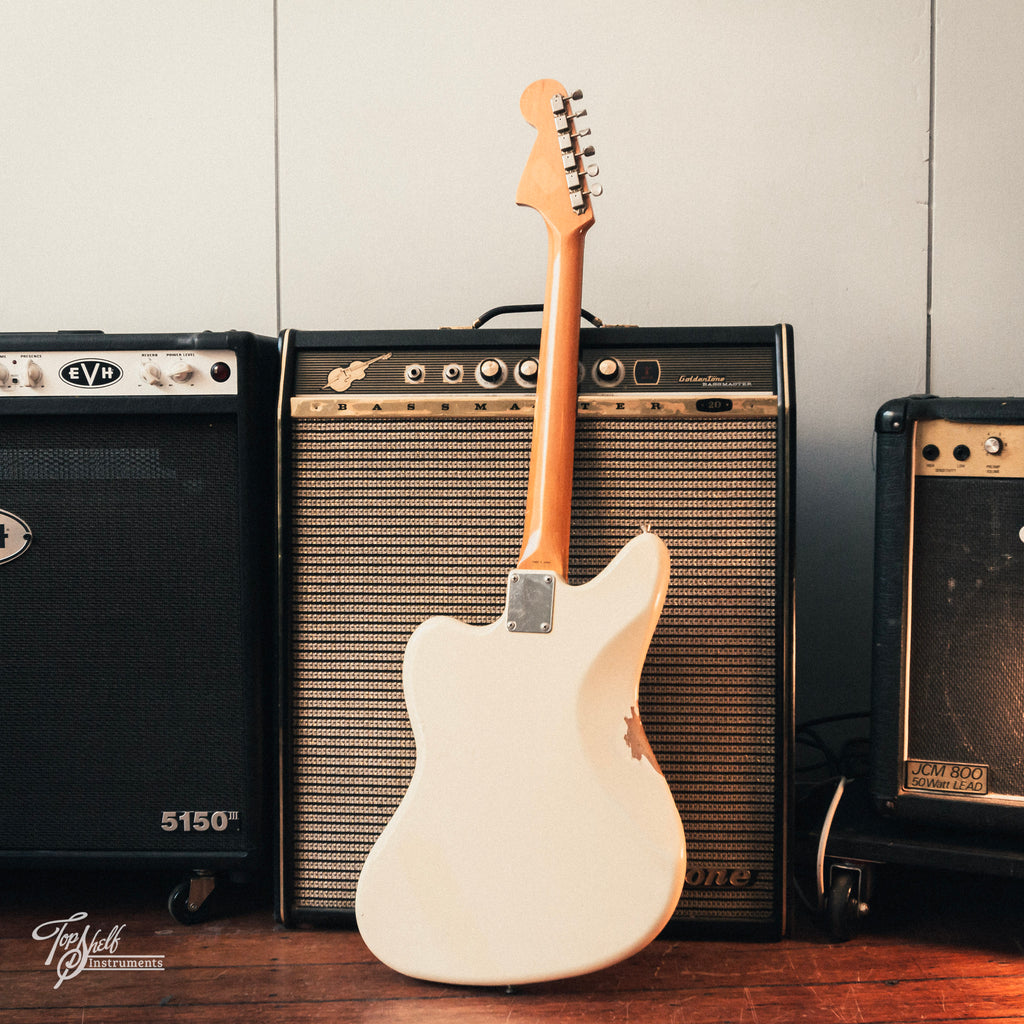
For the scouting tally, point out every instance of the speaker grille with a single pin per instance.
(966, 678)
(123, 682)
(392, 521)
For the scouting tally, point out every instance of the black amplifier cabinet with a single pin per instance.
(948, 665)
(136, 589)
(404, 467)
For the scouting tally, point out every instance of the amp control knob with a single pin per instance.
(526, 372)
(5, 376)
(993, 445)
(151, 374)
(181, 373)
(33, 374)
(608, 372)
(491, 372)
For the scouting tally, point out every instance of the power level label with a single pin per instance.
(947, 777)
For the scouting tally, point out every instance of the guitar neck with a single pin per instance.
(549, 490)
(552, 185)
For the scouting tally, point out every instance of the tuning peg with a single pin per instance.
(589, 151)
(572, 175)
(595, 189)
(558, 102)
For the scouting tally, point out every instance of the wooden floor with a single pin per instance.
(936, 947)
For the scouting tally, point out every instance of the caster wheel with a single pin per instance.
(843, 905)
(183, 907)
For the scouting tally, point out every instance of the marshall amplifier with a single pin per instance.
(404, 460)
(948, 668)
(136, 559)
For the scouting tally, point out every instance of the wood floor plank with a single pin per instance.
(944, 950)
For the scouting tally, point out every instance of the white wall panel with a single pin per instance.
(978, 233)
(137, 165)
(761, 162)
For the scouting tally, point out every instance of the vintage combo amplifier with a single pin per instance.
(136, 568)
(948, 670)
(404, 460)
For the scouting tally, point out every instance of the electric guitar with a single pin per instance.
(538, 838)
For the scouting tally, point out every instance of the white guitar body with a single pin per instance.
(538, 838)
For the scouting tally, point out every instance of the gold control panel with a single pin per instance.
(948, 448)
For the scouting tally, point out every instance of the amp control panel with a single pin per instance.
(947, 448)
(38, 373)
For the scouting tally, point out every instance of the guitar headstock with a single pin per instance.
(554, 181)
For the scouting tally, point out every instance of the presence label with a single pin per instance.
(947, 777)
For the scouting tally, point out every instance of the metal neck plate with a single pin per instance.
(530, 602)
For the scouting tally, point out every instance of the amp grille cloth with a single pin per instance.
(123, 693)
(966, 675)
(394, 521)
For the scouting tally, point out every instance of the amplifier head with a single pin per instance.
(948, 667)
(404, 461)
(134, 559)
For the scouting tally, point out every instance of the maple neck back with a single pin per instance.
(552, 184)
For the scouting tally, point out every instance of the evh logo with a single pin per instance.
(90, 373)
(15, 536)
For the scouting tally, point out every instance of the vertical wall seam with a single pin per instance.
(277, 187)
(931, 201)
